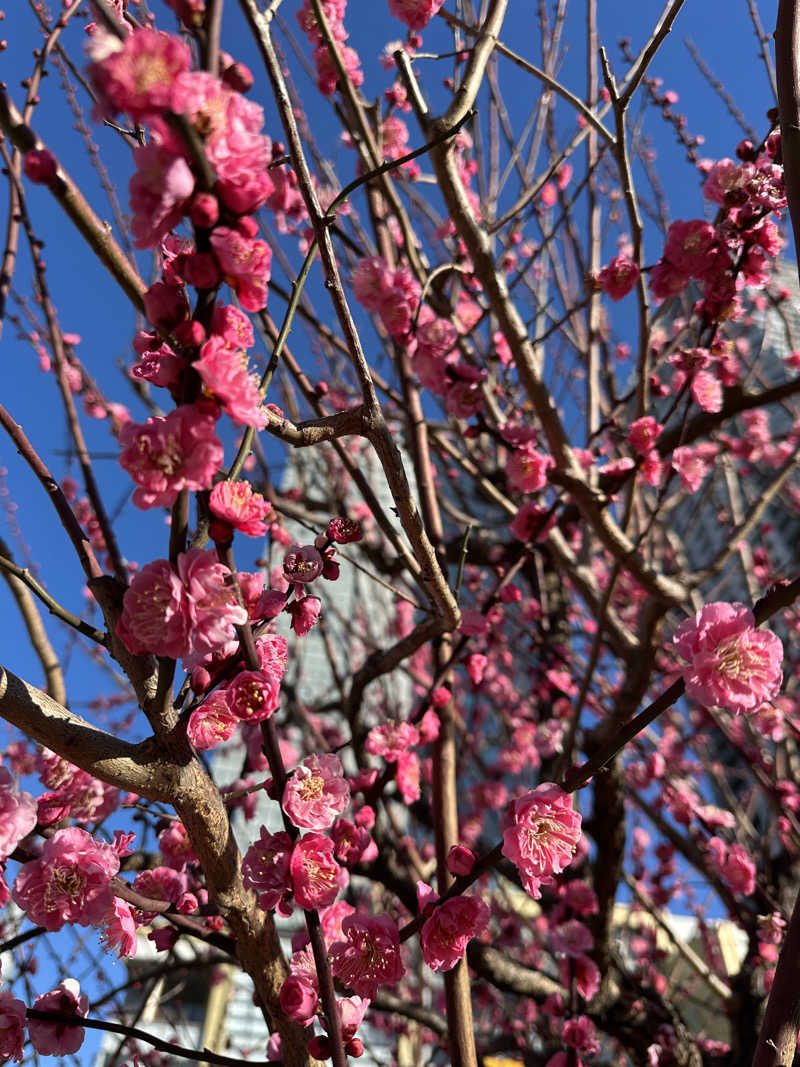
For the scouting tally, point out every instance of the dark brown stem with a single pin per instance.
(787, 56)
(198, 1056)
(777, 1039)
(213, 27)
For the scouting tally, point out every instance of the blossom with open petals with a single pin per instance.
(236, 504)
(266, 868)
(369, 955)
(18, 814)
(70, 882)
(731, 664)
(316, 876)
(317, 792)
(448, 931)
(541, 835)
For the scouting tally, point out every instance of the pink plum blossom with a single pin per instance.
(233, 326)
(453, 924)
(390, 739)
(688, 246)
(541, 836)
(353, 844)
(407, 774)
(158, 365)
(618, 277)
(571, 939)
(372, 282)
(175, 845)
(351, 1012)
(237, 505)
(138, 75)
(579, 1033)
(166, 305)
(253, 696)
(156, 613)
(18, 814)
(119, 930)
(212, 723)
(643, 434)
(304, 613)
(299, 999)
(12, 1028)
(70, 882)
(344, 531)
(165, 455)
(692, 465)
(159, 193)
(707, 391)
(368, 957)
(56, 1038)
(527, 469)
(531, 519)
(666, 280)
(416, 14)
(316, 876)
(303, 563)
(163, 884)
(460, 860)
(732, 665)
(175, 612)
(316, 792)
(225, 373)
(266, 868)
(725, 176)
(733, 864)
(245, 263)
(40, 166)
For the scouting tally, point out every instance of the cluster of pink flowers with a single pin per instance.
(165, 455)
(391, 294)
(149, 76)
(731, 664)
(327, 75)
(737, 249)
(72, 792)
(251, 697)
(185, 611)
(312, 871)
(439, 368)
(416, 14)
(733, 864)
(541, 835)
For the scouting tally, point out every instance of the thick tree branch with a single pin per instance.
(137, 768)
